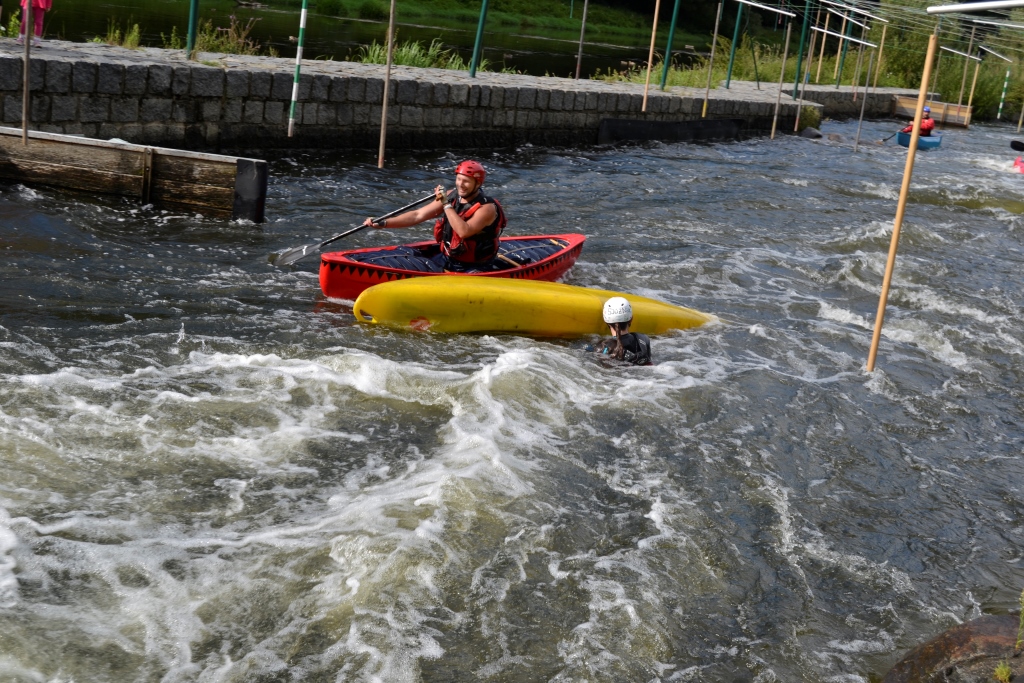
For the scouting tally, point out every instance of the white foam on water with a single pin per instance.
(8, 580)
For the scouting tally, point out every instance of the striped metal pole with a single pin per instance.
(1002, 99)
(298, 69)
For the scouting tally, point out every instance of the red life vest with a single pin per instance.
(479, 248)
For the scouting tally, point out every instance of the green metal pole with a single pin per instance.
(668, 48)
(735, 39)
(477, 46)
(193, 25)
(298, 69)
(846, 47)
(800, 50)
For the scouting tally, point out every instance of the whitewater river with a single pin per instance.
(208, 472)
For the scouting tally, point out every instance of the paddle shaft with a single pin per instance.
(891, 136)
(296, 253)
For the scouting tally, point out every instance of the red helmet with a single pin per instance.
(473, 169)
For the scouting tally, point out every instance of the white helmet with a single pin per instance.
(617, 310)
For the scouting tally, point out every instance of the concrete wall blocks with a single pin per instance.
(10, 73)
(210, 110)
(63, 108)
(135, 77)
(439, 94)
(83, 76)
(124, 109)
(58, 77)
(253, 112)
(356, 89)
(458, 95)
(110, 79)
(320, 88)
(556, 100)
(93, 109)
(374, 91)
(236, 83)
(155, 110)
(180, 80)
(260, 84)
(207, 82)
(543, 97)
(160, 77)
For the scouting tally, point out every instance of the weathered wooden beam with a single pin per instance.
(234, 187)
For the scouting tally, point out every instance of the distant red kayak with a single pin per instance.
(1018, 164)
(345, 274)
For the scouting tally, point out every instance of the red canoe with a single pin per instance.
(345, 274)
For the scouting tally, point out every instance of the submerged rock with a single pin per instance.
(968, 653)
(835, 137)
(812, 133)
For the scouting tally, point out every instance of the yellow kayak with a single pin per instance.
(464, 303)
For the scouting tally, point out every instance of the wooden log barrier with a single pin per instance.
(213, 184)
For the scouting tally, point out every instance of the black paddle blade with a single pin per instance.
(294, 254)
(1017, 145)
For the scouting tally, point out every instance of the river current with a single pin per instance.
(212, 473)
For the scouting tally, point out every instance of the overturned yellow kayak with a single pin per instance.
(463, 303)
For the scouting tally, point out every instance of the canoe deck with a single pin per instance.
(345, 274)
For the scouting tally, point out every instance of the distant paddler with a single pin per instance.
(468, 224)
(927, 123)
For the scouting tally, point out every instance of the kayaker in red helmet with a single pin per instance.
(927, 123)
(468, 223)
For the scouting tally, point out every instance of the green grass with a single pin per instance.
(412, 53)
(129, 38)
(232, 39)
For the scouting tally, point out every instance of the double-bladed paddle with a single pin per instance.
(1017, 145)
(296, 253)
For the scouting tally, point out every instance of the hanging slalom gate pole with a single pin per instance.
(967, 63)
(782, 75)
(803, 85)
(970, 98)
(800, 49)
(878, 67)
(583, 27)
(860, 60)
(839, 51)
(821, 55)
(1021, 119)
(650, 55)
(387, 86)
(26, 97)
(863, 101)
(711, 63)
(298, 68)
(1002, 98)
(474, 62)
(668, 47)
(735, 39)
(901, 206)
(810, 60)
(844, 48)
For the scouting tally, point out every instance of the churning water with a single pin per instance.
(210, 473)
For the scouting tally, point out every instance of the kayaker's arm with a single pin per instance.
(409, 218)
(477, 222)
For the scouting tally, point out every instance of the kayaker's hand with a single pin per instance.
(440, 195)
(369, 223)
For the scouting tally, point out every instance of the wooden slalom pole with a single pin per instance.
(650, 55)
(583, 28)
(803, 83)
(821, 55)
(878, 66)
(387, 86)
(863, 101)
(970, 98)
(908, 171)
(967, 63)
(842, 40)
(1021, 119)
(26, 97)
(782, 75)
(711, 63)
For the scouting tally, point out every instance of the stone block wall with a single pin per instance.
(156, 97)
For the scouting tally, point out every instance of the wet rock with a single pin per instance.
(968, 653)
(812, 133)
(835, 137)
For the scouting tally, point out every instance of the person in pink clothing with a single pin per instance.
(39, 8)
